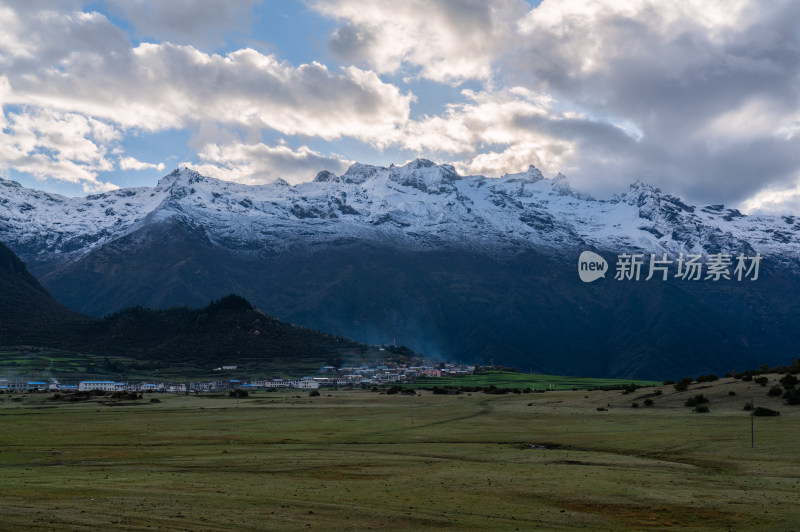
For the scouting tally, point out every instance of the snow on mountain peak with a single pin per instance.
(531, 175)
(419, 204)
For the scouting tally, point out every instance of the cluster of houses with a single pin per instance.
(329, 377)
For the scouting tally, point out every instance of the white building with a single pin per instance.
(106, 386)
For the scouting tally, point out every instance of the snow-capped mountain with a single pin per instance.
(465, 267)
(419, 205)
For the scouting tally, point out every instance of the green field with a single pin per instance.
(357, 461)
(506, 379)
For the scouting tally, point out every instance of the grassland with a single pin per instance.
(357, 461)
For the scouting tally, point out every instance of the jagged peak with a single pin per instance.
(360, 172)
(325, 176)
(183, 175)
(9, 183)
(531, 175)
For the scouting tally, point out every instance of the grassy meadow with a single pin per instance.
(358, 460)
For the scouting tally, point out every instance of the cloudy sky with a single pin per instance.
(701, 98)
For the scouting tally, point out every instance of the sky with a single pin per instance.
(699, 98)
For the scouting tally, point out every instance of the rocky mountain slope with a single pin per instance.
(466, 267)
(420, 206)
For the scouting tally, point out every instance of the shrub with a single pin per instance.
(667, 383)
(747, 406)
(237, 393)
(761, 411)
(792, 397)
(775, 391)
(602, 409)
(648, 402)
(761, 380)
(731, 392)
(634, 405)
(683, 384)
(701, 409)
(707, 378)
(155, 400)
(313, 393)
(698, 399)
(789, 381)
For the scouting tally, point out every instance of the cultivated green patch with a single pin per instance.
(508, 379)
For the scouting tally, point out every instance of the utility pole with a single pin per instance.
(752, 424)
(411, 408)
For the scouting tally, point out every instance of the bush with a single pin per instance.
(747, 406)
(761, 380)
(698, 399)
(701, 409)
(634, 405)
(789, 381)
(237, 393)
(707, 378)
(792, 397)
(648, 402)
(767, 412)
(313, 393)
(155, 400)
(731, 392)
(683, 384)
(775, 391)
(602, 409)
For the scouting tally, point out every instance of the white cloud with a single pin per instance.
(448, 41)
(496, 132)
(196, 22)
(80, 70)
(64, 146)
(700, 98)
(258, 163)
(157, 87)
(773, 200)
(131, 163)
(711, 88)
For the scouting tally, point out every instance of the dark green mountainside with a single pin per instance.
(229, 331)
(28, 313)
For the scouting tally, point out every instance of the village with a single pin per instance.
(328, 376)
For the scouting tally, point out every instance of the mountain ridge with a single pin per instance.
(421, 204)
(466, 268)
